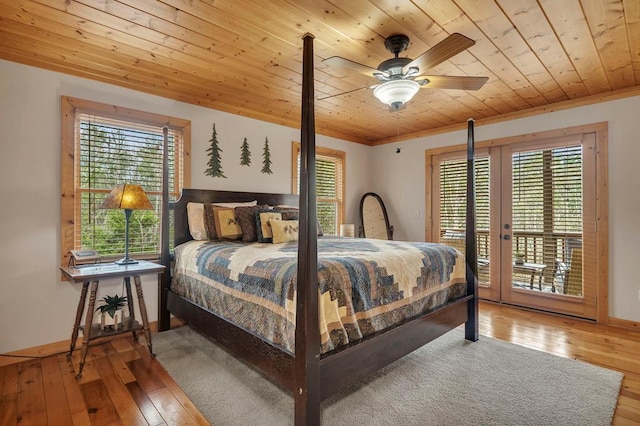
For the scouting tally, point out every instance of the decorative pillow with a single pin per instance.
(246, 216)
(201, 220)
(289, 213)
(239, 204)
(226, 223)
(284, 230)
(292, 213)
(210, 222)
(262, 224)
(195, 217)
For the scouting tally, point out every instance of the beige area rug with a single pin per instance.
(447, 382)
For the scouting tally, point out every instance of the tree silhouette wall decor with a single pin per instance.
(266, 158)
(245, 154)
(214, 165)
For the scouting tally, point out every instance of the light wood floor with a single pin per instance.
(122, 385)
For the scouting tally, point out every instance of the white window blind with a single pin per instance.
(329, 189)
(453, 203)
(110, 152)
(547, 209)
(547, 196)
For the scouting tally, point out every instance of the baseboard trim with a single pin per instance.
(624, 324)
(43, 351)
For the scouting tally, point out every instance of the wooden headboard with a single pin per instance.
(181, 224)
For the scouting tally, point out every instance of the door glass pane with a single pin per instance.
(453, 204)
(547, 220)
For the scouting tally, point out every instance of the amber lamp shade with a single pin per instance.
(127, 197)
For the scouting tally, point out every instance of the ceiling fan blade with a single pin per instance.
(345, 93)
(340, 62)
(453, 82)
(439, 53)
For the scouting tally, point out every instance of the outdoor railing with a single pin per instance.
(537, 247)
(549, 253)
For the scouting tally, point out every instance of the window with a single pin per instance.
(547, 200)
(453, 203)
(540, 216)
(104, 146)
(330, 185)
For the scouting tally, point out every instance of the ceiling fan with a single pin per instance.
(401, 78)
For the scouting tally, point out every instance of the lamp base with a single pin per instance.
(126, 261)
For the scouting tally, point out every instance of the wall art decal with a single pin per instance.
(214, 165)
(266, 158)
(245, 154)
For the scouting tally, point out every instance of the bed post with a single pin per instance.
(165, 278)
(471, 255)
(307, 337)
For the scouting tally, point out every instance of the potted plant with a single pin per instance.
(111, 311)
(518, 258)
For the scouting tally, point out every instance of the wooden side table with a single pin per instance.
(91, 275)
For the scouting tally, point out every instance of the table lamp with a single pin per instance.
(127, 197)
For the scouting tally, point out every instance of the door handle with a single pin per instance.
(507, 237)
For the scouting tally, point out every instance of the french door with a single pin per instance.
(535, 220)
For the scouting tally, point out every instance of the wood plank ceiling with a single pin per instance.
(244, 56)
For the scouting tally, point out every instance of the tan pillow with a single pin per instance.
(263, 226)
(291, 213)
(195, 217)
(284, 230)
(226, 223)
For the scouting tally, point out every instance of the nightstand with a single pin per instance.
(90, 275)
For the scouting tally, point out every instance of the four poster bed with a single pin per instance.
(348, 315)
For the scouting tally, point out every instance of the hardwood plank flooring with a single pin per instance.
(123, 385)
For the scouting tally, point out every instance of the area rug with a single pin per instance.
(447, 382)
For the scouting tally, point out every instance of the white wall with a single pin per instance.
(404, 200)
(35, 306)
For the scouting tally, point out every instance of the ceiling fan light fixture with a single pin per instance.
(396, 93)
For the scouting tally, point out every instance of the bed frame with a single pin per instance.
(309, 375)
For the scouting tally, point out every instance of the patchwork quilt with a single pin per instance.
(365, 285)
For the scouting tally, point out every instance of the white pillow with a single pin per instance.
(233, 205)
(195, 216)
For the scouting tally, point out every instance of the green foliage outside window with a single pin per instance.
(111, 155)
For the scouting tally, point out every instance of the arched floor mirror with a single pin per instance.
(374, 218)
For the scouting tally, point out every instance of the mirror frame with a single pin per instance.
(384, 212)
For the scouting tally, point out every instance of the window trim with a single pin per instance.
(328, 152)
(69, 108)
